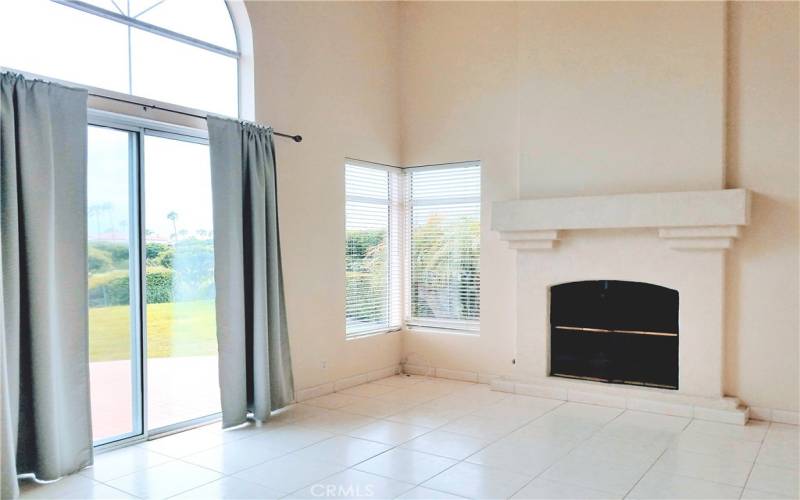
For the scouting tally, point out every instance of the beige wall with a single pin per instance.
(459, 102)
(554, 99)
(599, 98)
(763, 327)
(620, 97)
(328, 72)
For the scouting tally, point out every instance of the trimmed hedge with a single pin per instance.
(159, 285)
(113, 288)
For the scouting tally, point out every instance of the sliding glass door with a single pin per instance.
(151, 280)
(114, 346)
(182, 372)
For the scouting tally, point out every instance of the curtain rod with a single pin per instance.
(295, 138)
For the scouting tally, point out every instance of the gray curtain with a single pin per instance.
(255, 369)
(44, 361)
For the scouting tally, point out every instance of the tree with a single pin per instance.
(94, 211)
(444, 259)
(366, 279)
(173, 216)
(99, 259)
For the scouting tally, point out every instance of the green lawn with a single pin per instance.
(173, 329)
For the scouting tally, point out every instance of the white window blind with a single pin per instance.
(443, 246)
(372, 255)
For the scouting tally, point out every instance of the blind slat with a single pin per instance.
(443, 241)
(372, 283)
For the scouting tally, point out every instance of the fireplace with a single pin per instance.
(676, 240)
(622, 332)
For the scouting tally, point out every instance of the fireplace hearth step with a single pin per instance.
(728, 410)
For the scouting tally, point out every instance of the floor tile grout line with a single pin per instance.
(657, 459)
(630, 490)
(457, 462)
(343, 434)
(452, 391)
(351, 467)
(164, 463)
(331, 463)
(112, 487)
(393, 447)
(282, 455)
(195, 487)
(741, 488)
(183, 458)
(755, 460)
(400, 480)
(464, 460)
(587, 438)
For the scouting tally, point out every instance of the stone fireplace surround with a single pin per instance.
(677, 240)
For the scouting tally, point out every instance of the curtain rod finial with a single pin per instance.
(298, 138)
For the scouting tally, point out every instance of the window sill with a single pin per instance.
(375, 333)
(442, 331)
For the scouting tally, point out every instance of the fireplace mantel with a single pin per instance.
(690, 220)
(619, 237)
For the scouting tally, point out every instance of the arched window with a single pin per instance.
(152, 332)
(174, 51)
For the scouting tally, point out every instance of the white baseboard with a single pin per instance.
(425, 371)
(465, 376)
(316, 391)
(775, 415)
(439, 372)
(313, 392)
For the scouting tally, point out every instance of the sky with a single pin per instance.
(63, 43)
(177, 179)
(55, 41)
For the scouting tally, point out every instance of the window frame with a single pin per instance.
(125, 104)
(392, 205)
(402, 229)
(132, 22)
(465, 327)
(142, 127)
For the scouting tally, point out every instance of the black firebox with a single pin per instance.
(621, 332)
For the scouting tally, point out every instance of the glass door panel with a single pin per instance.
(113, 334)
(182, 373)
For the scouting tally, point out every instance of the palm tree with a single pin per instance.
(173, 216)
(94, 211)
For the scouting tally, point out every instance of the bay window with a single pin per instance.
(412, 245)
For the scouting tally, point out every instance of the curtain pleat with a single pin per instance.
(44, 356)
(254, 357)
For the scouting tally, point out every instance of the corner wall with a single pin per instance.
(327, 71)
(459, 101)
(763, 155)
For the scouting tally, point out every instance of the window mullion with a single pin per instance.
(151, 28)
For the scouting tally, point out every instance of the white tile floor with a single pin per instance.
(416, 437)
